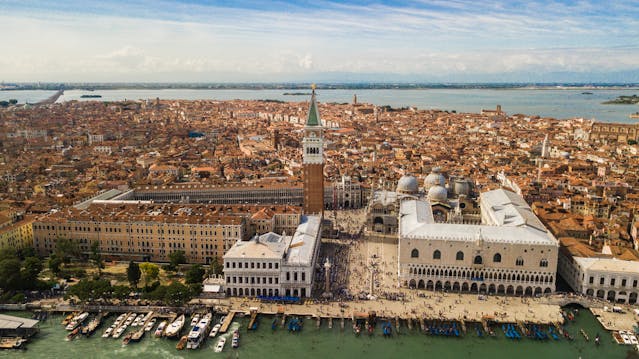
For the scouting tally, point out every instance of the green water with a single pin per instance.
(326, 343)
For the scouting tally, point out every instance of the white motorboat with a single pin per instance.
(149, 325)
(220, 345)
(174, 328)
(76, 321)
(198, 332)
(215, 330)
(107, 332)
(160, 330)
(195, 319)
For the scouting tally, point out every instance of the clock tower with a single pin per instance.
(313, 160)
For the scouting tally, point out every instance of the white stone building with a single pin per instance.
(510, 252)
(603, 277)
(273, 264)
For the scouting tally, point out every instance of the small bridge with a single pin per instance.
(566, 299)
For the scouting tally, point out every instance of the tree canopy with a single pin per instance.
(195, 274)
(133, 274)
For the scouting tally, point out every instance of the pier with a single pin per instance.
(227, 321)
(51, 100)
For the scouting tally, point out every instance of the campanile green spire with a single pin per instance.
(313, 113)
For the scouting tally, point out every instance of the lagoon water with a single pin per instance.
(328, 343)
(557, 103)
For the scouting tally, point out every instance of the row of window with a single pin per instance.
(613, 280)
(252, 280)
(437, 254)
(253, 265)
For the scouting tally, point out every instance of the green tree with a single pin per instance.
(195, 274)
(133, 274)
(31, 268)
(10, 274)
(8, 253)
(96, 257)
(176, 258)
(13, 101)
(151, 272)
(177, 294)
(27, 252)
(216, 267)
(67, 249)
(55, 264)
(87, 289)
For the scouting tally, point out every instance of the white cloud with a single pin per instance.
(442, 37)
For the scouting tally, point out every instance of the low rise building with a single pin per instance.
(274, 265)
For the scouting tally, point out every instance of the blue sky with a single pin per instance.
(254, 41)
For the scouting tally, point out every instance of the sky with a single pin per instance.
(319, 41)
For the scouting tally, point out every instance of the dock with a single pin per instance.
(227, 321)
(252, 320)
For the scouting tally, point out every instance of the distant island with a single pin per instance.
(91, 96)
(296, 94)
(623, 100)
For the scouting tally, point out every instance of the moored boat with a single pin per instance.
(198, 332)
(235, 342)
(215, 330)
(160, 329)
(73, 334)
(149, 325)
(182, 343)
(175, 327)
(127, 339)
(220, 345)
(76, 321)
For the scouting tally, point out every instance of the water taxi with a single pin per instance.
(174, 328)
(198, 332)
(220, 345)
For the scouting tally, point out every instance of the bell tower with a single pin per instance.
(313, 160)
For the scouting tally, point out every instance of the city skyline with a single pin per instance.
(248, 41)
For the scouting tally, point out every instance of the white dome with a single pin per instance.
(461, 186)
(434, 178)
(437, 194)
(407, 185)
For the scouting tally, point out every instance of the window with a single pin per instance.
(612, 281)
(591, 280)
(497, 258)
(519, 261)
(414, 253)
(460, 256)
(478, 260)
(543, 263)
(634, 283)
(623, 282)
(437, 254)
(601, 281)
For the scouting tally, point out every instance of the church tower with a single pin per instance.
(313, 160)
